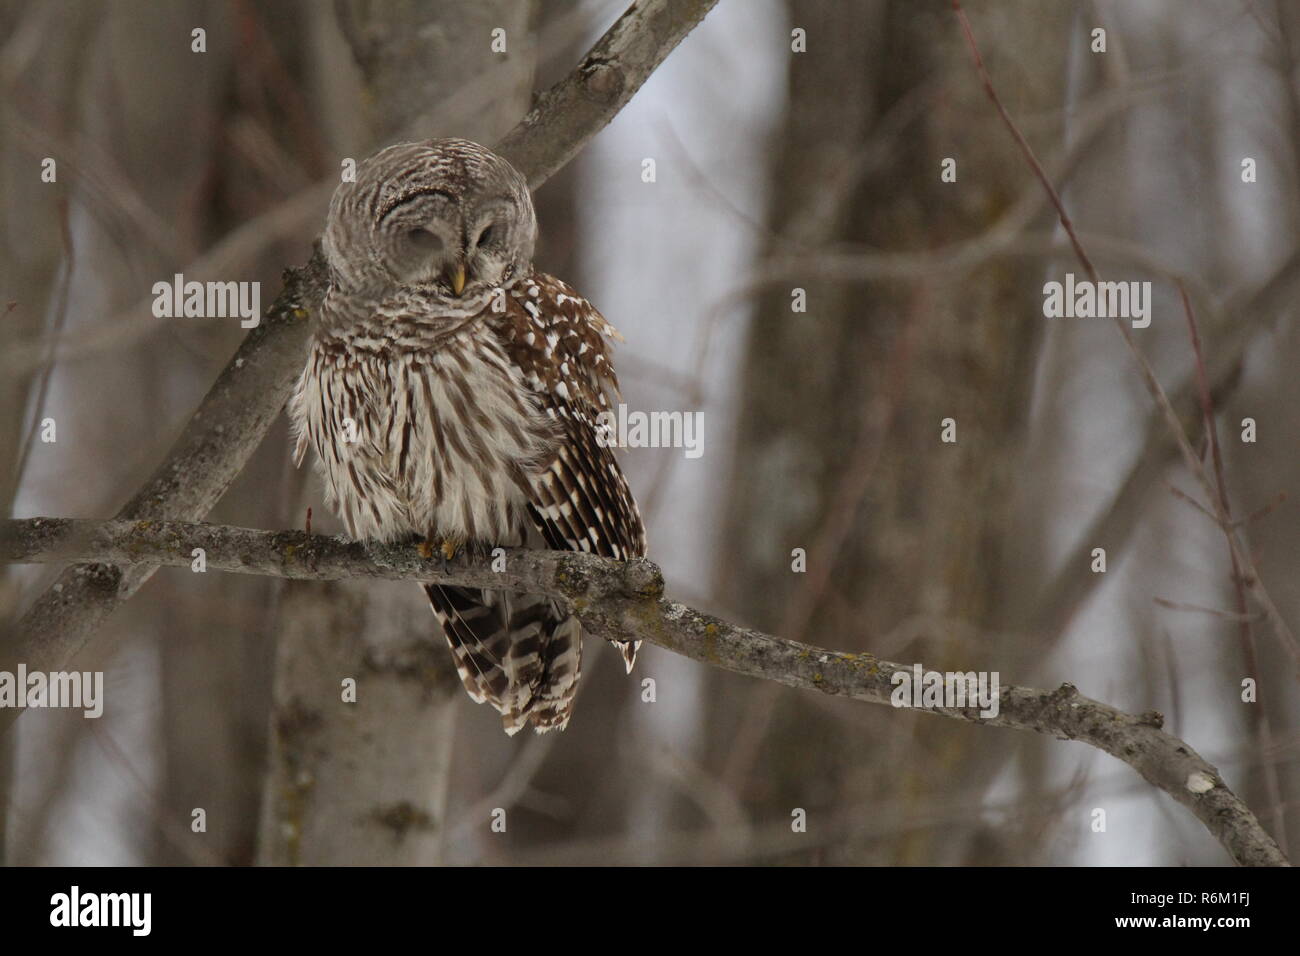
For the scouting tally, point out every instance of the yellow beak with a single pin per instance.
(457, 278)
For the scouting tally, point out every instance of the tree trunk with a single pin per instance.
(367, 781)
(840, 452)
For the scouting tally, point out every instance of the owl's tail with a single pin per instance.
(517, 652)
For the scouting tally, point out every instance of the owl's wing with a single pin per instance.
(523, 652)
(580, 501)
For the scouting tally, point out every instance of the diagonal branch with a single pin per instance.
(578, 107)
(246, 398)
(622, 601)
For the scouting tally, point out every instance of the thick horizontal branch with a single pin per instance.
(236, 413)
(621, 601)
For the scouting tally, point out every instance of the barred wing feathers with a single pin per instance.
(580, 501)
(521, 652)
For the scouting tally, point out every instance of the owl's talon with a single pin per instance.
(425, 548)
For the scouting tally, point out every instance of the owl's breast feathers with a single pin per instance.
(480, 426)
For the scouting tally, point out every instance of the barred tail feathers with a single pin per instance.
(517, 652)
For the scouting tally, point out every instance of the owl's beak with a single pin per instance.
(456, 276)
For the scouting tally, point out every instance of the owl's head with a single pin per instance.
(446, 215)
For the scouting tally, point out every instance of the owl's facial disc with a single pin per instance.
(463, 248)
(417, 236)
(445, 215)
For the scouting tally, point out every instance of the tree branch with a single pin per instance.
(572, 111)
(622, 601)
(235, 414)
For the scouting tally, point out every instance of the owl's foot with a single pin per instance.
(451, 546)
(448, 546)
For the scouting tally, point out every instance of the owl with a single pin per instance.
(451, 397)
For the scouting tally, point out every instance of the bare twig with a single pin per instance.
(1116, 522)
(1185, 497)
(56, 330)
(1238, 617)
(617, 601)
(1223, 512)
(1241, 557)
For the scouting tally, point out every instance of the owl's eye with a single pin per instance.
(424, 240)
(487, 235)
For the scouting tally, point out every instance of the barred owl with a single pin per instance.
(451, 396)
